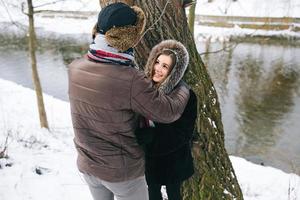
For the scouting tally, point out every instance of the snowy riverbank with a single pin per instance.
(248, 8)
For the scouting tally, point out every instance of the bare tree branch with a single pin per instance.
(10, 17)
(23, 8)
(151, 27)
(45, 4)
(2, 153)
(40, 11)
(227, 48)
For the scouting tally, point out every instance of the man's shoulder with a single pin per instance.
(84, 62)
(108, 70)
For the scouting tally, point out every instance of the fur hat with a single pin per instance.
(178, 70)
(121, 24)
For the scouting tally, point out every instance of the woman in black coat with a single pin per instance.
(168, 146)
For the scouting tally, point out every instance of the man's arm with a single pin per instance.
(155, 105)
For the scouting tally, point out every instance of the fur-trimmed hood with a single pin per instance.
(182, 61)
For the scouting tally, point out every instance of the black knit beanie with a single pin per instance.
(115, 15)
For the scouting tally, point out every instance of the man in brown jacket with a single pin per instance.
(106, 95)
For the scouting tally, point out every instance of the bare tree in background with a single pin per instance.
(214, 177)
(35, 76)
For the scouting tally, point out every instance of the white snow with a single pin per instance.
(265, 183)
(220, 34)
(250, 8)
(31, 148)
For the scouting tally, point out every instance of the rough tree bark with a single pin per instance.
(35, 76)
(214, 177)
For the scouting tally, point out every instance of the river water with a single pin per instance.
(257, 83)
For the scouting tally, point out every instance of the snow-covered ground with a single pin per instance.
(42, 164)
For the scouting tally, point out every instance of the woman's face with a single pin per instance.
(162, 68)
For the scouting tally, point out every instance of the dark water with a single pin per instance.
(14, 66)
(259, 90)
(258, 87)
(52, 60)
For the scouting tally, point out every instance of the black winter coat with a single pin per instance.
(168, 147)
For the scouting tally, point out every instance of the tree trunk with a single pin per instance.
(214, 176)
(191, 17)
(35, 76)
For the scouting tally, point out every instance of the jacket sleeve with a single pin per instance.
(154, 105)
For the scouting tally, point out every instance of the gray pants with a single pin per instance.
(135, 189)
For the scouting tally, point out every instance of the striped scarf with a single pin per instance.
(100, 51)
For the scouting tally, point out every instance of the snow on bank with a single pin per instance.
(219, 34)
(246, 8)
(265, 183)
(79, 21)
(250, 8)
(41, 164)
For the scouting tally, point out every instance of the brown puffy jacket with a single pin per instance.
(104, 100)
